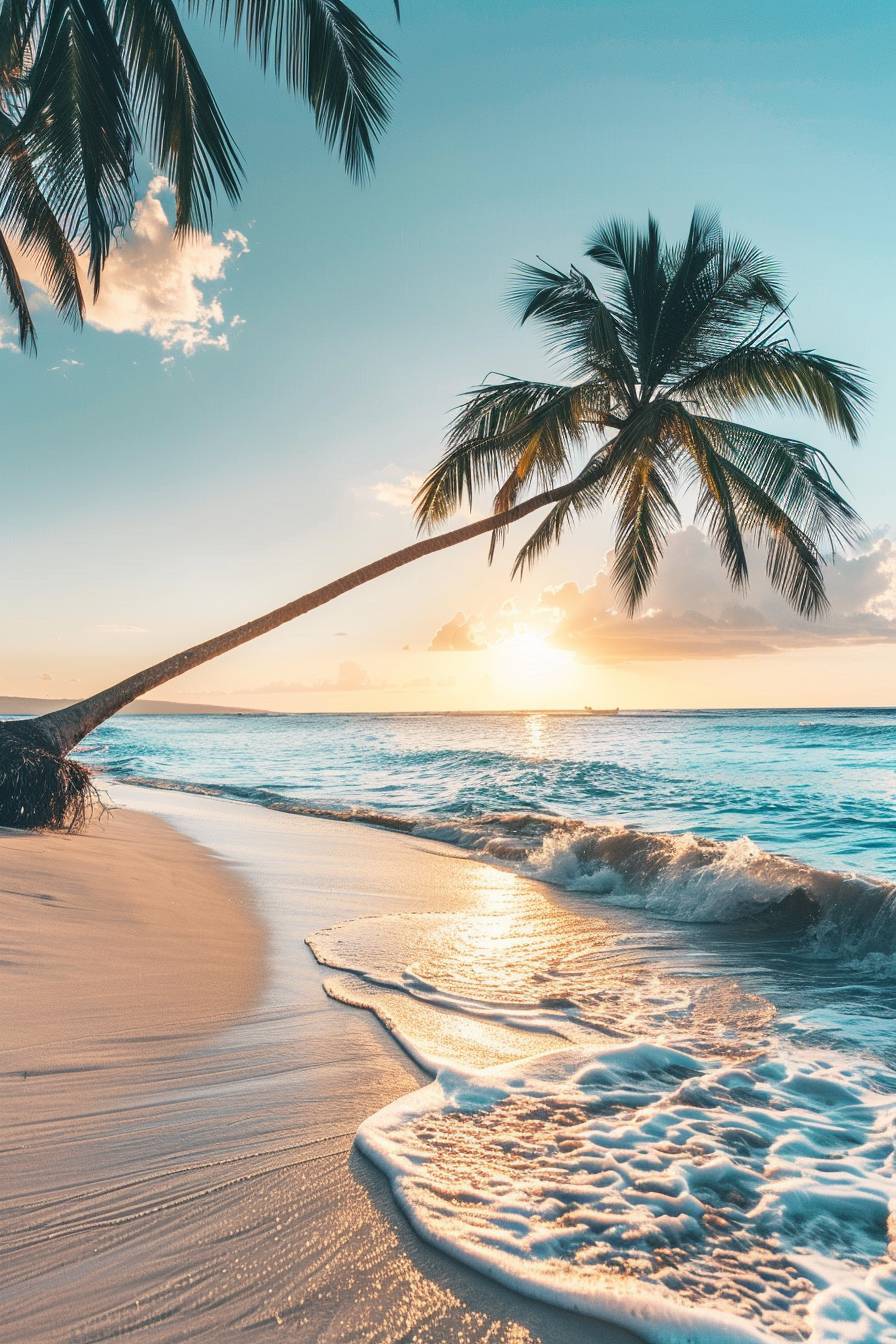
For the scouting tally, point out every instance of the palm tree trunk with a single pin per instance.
(62, 729)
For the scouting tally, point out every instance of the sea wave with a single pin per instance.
(683, 877)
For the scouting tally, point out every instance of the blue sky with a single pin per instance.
(151, 502)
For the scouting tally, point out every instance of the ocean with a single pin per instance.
(664, 1071)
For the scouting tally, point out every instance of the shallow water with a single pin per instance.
(664, 1087)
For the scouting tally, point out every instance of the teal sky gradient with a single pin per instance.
(185, 497)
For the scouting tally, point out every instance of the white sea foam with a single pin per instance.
(687, 1199)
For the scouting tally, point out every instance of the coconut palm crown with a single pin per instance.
(87, 85)
(680, 338)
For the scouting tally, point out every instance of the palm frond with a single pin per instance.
(512, 426)
(324, 51)
(637, 258)
(647, 513)
(715, 504)
(77, 127)
(614, 465)
(721, 291)
(12, 283)
(783, 379)
(587, 494)
(17, 23)
(582, 328)
(545, 537)
(188, 138)
(25, 209)
(793, 563)
(799, 477)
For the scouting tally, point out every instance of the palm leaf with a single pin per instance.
(510, 427)
(797, 476)
(647, 513)
(17, 22)
(782, 379)
(77, 127)
(639, 290)
(324, 51)
(720, 291)
(581, 326)
(187, 134)
(715, 504)
(588, 494)
(613, 465)
(793, 563)
(12, 283)
(24, 207)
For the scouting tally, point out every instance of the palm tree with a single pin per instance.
(683, 336)
(86, 84)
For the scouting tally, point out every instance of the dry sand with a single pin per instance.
(131, 930)
(176, 1155)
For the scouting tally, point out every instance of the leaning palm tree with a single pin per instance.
(682, 337)
(87, 84)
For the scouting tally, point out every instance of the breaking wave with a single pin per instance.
(687, 878)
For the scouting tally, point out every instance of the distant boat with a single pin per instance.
(606, 712)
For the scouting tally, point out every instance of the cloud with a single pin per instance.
(165, 287)
(9, 339)
(456, 636)
(693, 613)
(153, 283)
(398, 494)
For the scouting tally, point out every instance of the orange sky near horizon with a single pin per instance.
(524, 672)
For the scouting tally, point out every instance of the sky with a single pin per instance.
(247, 417)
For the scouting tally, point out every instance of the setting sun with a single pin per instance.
(525, 664)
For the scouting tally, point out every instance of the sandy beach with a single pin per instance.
(180, 1098)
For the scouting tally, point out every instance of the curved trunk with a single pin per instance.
(64, 728)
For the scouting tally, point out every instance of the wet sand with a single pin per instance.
(179, 1097)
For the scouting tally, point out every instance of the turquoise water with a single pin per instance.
(819, 785)
(664, 1076)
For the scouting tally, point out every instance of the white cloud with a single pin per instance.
(9, 339)
(166, 288)
(456, 636)
(398, 494)
(693, 613)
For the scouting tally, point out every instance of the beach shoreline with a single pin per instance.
(187, 1170)
(127, 932)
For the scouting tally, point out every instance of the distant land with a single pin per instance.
(25, 704)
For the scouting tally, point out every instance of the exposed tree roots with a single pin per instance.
(40, 790)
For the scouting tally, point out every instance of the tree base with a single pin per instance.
(41, 790)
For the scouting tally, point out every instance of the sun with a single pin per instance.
(527, 669)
